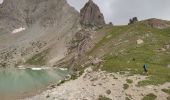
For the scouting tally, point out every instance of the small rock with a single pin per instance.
(167, 46)
(155, 90)
(149, 87)
(147, 35)
(168, 65)
(109, 36)
(68, 77)
(89, 70)
(162, 49)
(93, 85)
(53, 86)
(48, 96)
(115, 78)
(96, 61)
(100, 83)
(142, 94)
(90, 57)
(100, 69)
(82, 66)
(108, 91)
(140, 41)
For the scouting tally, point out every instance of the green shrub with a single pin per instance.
(127, 98)
(166, 91)
(129, 81)
(103, 98)
(125, 86)
(150, 96)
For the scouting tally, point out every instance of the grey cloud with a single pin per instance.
(119, 11)
(1, 1)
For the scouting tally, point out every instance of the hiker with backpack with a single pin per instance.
(145, 67)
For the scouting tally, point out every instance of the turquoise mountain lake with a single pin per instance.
(23, 80)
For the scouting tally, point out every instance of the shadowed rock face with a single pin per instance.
(90, 15)
(16, 13)
(47, 24)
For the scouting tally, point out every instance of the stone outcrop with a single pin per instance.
(91, 16)
(158, 23)
(133, 20)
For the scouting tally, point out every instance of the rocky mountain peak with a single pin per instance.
(29, 27)
(91, 15)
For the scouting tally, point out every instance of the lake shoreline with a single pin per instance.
(94, 84)
(37, 90)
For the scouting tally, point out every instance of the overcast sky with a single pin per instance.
(119, 11)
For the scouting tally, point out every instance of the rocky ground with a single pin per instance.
(94, 84)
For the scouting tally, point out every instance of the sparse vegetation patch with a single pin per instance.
(125, 86)
(129, 81)
(150, 96)
(38, 59)
(166, 91)
(103, 98)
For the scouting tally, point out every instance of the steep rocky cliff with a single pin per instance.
(90, 15)
(31, 27)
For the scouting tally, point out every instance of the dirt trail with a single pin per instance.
(92, 84)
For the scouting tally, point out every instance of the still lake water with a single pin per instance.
(23, 80)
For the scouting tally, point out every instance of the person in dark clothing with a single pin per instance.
(145, 67)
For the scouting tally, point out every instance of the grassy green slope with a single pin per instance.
(122, 53)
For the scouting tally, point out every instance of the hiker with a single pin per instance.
(145, 66)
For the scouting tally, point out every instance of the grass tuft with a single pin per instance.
(125, 86)
(166, 91)
(150, 96)
(129, 81)
(103, 98)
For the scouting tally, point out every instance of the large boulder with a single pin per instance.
(133, 20)
(90, 15)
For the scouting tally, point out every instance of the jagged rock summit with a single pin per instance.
(90, 15)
